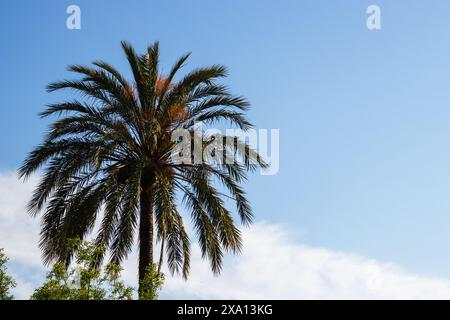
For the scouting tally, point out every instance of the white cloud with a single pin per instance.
(271, 266)
(19, 233)
(17, 229)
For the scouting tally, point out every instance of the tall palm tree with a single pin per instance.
(110, 156)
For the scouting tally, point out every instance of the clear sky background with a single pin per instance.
(364, 116)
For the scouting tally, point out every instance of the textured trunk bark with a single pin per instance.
(146, 226)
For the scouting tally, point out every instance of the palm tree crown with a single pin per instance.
(109, 156)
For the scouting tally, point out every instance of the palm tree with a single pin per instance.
(110, 157)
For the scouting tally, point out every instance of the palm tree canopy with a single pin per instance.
(104, 151)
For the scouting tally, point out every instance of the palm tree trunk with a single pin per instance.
(146, 227)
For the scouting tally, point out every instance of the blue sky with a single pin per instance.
(364, 116)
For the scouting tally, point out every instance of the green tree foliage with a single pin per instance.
(151, 284)
(112, 149)
(7, 283)
(83, 282)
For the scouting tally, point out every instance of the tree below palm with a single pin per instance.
(111, 157)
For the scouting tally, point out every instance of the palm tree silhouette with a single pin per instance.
(109, 156)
